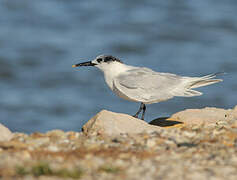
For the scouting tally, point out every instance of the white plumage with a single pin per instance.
(144, 85)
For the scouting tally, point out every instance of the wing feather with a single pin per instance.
(145, 85)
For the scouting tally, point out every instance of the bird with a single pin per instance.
(143, 85)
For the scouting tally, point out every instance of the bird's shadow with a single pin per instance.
(164, 122)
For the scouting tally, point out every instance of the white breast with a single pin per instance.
(112, 70)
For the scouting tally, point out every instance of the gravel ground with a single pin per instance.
(192, 152)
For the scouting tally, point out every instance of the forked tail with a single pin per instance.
(197, 82)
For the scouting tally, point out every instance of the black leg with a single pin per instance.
(143, 112)
(139, 110)
(143, 109)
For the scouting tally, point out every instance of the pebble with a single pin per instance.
(53, 148)
(150, 143)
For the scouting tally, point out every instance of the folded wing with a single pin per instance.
(145, 85)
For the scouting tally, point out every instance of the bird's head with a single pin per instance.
(102, 62)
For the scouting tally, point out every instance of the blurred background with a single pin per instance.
(40, 40)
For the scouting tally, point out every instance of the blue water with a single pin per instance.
(40, 40)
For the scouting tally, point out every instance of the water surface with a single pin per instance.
(40, 40)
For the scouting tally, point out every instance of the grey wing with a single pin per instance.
(145, 85)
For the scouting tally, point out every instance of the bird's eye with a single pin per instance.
(99, 60)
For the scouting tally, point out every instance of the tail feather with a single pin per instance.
(201, 83)
(210, 76)
(190, 92)
(197, 82)
(204, 80)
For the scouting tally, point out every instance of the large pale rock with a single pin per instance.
(205, 116)
(5, 133)
(110, 123)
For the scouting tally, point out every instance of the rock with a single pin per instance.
(206, 116)
(234, 113)
(110, 123)
(5, 134)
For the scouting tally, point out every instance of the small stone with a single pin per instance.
(151, 143)
(189, 134)
(56, 132)
(221, 123)
(53, 148)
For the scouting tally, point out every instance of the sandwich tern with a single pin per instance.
(140, 84)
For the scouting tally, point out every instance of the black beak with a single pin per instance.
(89, 63)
